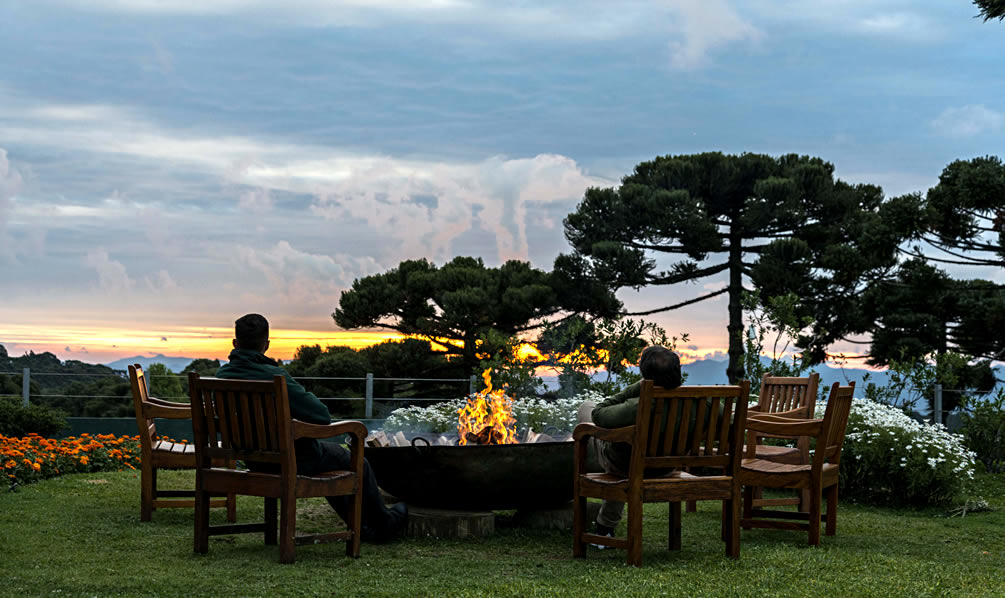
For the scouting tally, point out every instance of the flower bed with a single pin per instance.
(891, 459)
(536, 414)
(34, 458)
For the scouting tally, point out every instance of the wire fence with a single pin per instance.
(368, 382)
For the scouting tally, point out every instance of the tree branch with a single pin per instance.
(671, 307)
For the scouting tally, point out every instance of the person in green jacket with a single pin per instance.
(248, 362)
(662, 366)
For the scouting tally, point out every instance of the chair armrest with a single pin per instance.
(783, 426)
(625, 434)
(306, 430)
(166, 410)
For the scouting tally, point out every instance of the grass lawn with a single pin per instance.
(80, 535)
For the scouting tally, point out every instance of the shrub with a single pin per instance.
(891, 459)
(18, 420)
(34, 458)
(537, 414)
(984, 431)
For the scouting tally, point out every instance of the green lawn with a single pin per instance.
(80, 535)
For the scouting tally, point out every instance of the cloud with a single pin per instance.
(161, 282)
(301, 278)
(389, 195)
(968, 121)
(707, 25)
(256, 201)
(10, 185)
(112, 275)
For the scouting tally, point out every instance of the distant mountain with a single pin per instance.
(713, 371)
(175, 364)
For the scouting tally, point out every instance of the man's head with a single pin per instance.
(661, 365)
(251, 332)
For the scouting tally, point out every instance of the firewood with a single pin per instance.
(399, 439)
(532, 436)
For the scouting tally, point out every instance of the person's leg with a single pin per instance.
(376, 516)
(610, 510)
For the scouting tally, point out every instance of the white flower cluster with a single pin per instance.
(873, 425)
(537, 414)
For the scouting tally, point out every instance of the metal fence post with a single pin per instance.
(471, 385)
(369, 396)
(25, 385)
(937, 405)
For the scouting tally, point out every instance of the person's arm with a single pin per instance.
(304, 405)
(619, 410)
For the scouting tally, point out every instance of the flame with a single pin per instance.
(488, 415)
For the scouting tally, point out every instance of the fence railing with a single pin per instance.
(368, 396)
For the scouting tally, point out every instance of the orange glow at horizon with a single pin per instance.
(97, 343)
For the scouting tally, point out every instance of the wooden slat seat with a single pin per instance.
(250, 420)
(815, 477)
(157, 453)
(688, 427)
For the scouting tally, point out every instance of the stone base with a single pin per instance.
(424, 522)
(560, 518)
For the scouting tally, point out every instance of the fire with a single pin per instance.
(488, 417)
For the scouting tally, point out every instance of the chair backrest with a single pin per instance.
(780, 394)
(689, 426)
(836, 422)
(145, 426)
(246, 420)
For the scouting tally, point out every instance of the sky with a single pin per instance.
(168, 165)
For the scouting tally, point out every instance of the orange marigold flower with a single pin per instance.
(26, 462)
(10, 464)
(36, 467)
(83, 460)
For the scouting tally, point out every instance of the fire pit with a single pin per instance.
(476, 477)
(487, 465)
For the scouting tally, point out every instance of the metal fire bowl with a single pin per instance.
(476, 477)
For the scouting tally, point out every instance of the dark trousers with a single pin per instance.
(333, 457)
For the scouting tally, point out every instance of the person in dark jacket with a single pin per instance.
(662, 366)
(248, 362)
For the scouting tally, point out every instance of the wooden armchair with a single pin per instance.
(820, 475)
(688, 427)
(785, 397)
(156, 453)
(250, 420)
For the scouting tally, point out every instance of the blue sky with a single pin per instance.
(165, 163)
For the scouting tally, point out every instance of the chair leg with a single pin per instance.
(814, 519)
(635, 531)
(675, 525)
(804, 500)
(287, 528)
(748, 504)
(731, 514)
(201, 521)
(352, 546)
(271, 525)
(232, 508)
(692, 506)
(578, 526)
(832, 510)
(148, 482)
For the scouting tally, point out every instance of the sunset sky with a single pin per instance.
(166, 166)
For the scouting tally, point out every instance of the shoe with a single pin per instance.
(602, 530)
(394, 526)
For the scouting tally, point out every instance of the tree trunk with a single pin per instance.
(735, 327)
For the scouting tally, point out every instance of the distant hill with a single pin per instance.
(175, 364)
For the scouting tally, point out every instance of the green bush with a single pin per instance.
(984, 431)
(890, 459)
(18, 420)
